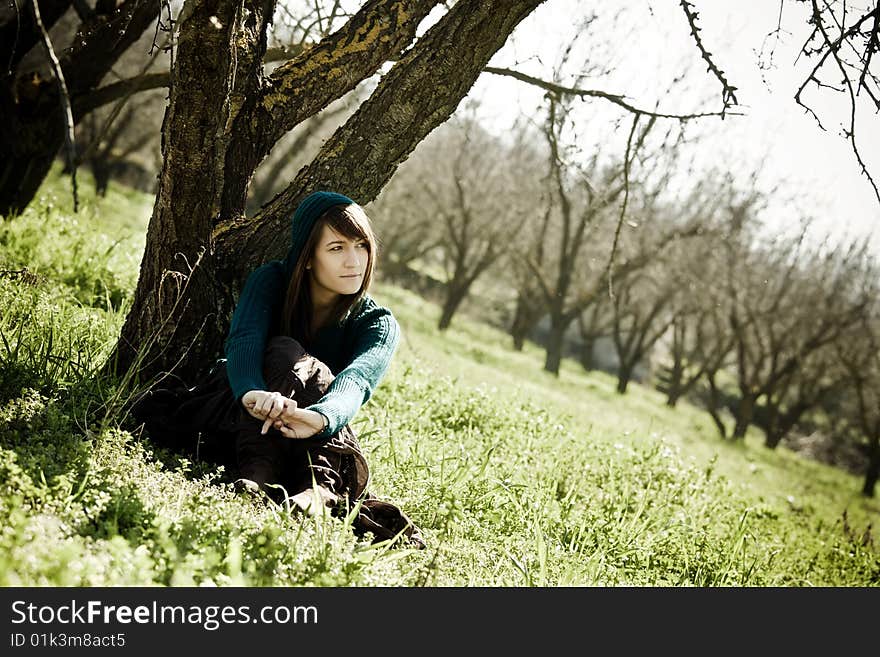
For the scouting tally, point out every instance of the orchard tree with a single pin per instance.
(788, 301)
(860, 357)
(481, 191)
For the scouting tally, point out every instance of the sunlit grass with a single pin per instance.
(516, 477)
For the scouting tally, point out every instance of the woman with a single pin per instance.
(306, 348)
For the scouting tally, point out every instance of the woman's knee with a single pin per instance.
(280, 357)
(286, 363)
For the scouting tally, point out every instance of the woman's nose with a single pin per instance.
(353, 258)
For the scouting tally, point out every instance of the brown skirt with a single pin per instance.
(206, 423)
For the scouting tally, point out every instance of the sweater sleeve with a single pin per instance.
(374, 348)
(249, 329)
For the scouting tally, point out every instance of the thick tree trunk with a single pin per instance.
(31, 131)
(196, 214)
(28, 149)
(180, 305)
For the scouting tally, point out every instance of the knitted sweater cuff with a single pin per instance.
(340, 404)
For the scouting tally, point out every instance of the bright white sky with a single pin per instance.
(651, 45)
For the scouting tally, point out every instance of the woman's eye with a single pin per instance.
(362, 245)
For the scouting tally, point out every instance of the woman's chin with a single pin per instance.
(352, 287)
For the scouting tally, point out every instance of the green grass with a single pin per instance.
(516, 477)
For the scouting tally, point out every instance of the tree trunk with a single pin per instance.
(745, 411)
(714, 403)
(181, 305)
(555, 345)
(777, 429)
(873, 471)
(588, 359)
(455, 294)
(624, 376)
(525, 317)
(197, 219)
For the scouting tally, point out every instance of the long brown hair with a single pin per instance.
(350, 221)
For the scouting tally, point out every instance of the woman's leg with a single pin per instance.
(303, 467)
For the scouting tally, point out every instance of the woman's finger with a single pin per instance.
(266, 424)
(287, 432)
(263, 404)
(289, 412)
(277, 405)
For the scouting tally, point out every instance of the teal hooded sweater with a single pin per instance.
(358, 350)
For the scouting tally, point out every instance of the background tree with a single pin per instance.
(787, 303)
(594, 323)
(480, 190)
(40, 104)
(640, 318)
(859, 355)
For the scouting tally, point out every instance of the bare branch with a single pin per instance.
(727, 89)
(617, 99)
(833, 50)
(626, 165)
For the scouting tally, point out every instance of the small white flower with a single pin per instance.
(216, 22)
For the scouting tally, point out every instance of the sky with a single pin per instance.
(648, 44)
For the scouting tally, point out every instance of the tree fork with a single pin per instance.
(418, 94)
(303, 86)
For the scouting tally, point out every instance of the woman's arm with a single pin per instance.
(376, 342)
(248, 332)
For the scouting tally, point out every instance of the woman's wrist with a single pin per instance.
(325, 422)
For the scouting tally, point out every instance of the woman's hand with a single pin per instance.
(267, 406)
(300, 423)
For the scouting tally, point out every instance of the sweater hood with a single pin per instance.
(304, 219)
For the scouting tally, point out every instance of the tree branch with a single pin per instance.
(399, 114)
(616, 99)
(728, 97)
(851, 133)
(339, 62)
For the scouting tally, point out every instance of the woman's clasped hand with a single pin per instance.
(282, 413)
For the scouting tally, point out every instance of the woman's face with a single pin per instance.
(338, 265)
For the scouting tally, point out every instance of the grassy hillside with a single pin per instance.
(516, 477)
